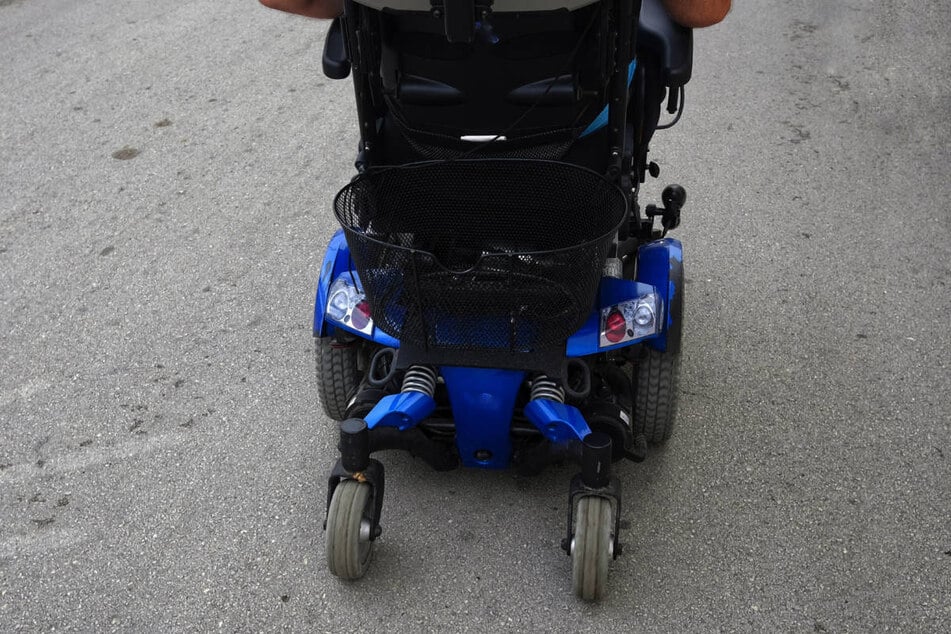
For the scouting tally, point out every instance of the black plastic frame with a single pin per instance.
(361, 28)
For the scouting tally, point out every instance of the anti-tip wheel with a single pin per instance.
(591, 547)
(349, 524)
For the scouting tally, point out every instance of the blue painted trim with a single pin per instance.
(557, 422)
(482, 403)
(653, 267)
(602, 119)
(403, 411)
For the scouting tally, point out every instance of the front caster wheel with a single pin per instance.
(591, 547)
(349, 527)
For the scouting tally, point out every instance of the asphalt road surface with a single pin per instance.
(166, 173)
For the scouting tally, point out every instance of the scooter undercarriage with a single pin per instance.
(599, 389)
(356, 487)
(606, 406)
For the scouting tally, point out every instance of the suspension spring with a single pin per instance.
(544, 387)
(420, 378)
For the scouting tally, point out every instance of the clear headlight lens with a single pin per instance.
(338, 305)
(643, 316)
(348, 305)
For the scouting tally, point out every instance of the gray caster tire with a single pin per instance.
(591, 547)
(337, 376)
(348, 530)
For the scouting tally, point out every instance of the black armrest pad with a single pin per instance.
(336, 62)
(670, 43)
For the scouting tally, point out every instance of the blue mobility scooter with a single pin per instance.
(496, 296)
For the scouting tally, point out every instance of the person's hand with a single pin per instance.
(325, 9)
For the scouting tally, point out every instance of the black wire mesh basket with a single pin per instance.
(481, 258)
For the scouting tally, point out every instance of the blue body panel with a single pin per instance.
(482, 403)
(336, 261)
(653, 267)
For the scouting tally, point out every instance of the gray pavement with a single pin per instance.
(166, 172)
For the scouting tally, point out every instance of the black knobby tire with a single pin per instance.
(348, 547)
(338, 376)
(591, 547)
(658, 375)
(655, 406)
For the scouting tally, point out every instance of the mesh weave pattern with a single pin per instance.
(480, 255)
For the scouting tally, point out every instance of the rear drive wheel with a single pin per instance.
(657, 380)
(591, 547)
(349, 525)
(655, 403)
(337, 375)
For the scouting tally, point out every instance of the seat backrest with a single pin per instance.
(534, 78)
(533, 72)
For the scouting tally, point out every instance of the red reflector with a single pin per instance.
(615, 327)
(361, 315)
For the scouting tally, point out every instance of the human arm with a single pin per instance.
(689, 13)
(325, 9)
(697, 13)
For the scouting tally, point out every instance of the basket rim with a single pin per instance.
(373, 171)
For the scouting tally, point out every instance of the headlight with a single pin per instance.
(348, 305)
(629, 320)
(643, 316)
(339, 305)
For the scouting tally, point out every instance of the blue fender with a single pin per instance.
(660, 264)
(336, 261)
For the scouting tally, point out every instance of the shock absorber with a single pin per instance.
(420, 378)
(544, 387)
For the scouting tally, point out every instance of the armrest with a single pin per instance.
(336, 62)
(670, 43)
